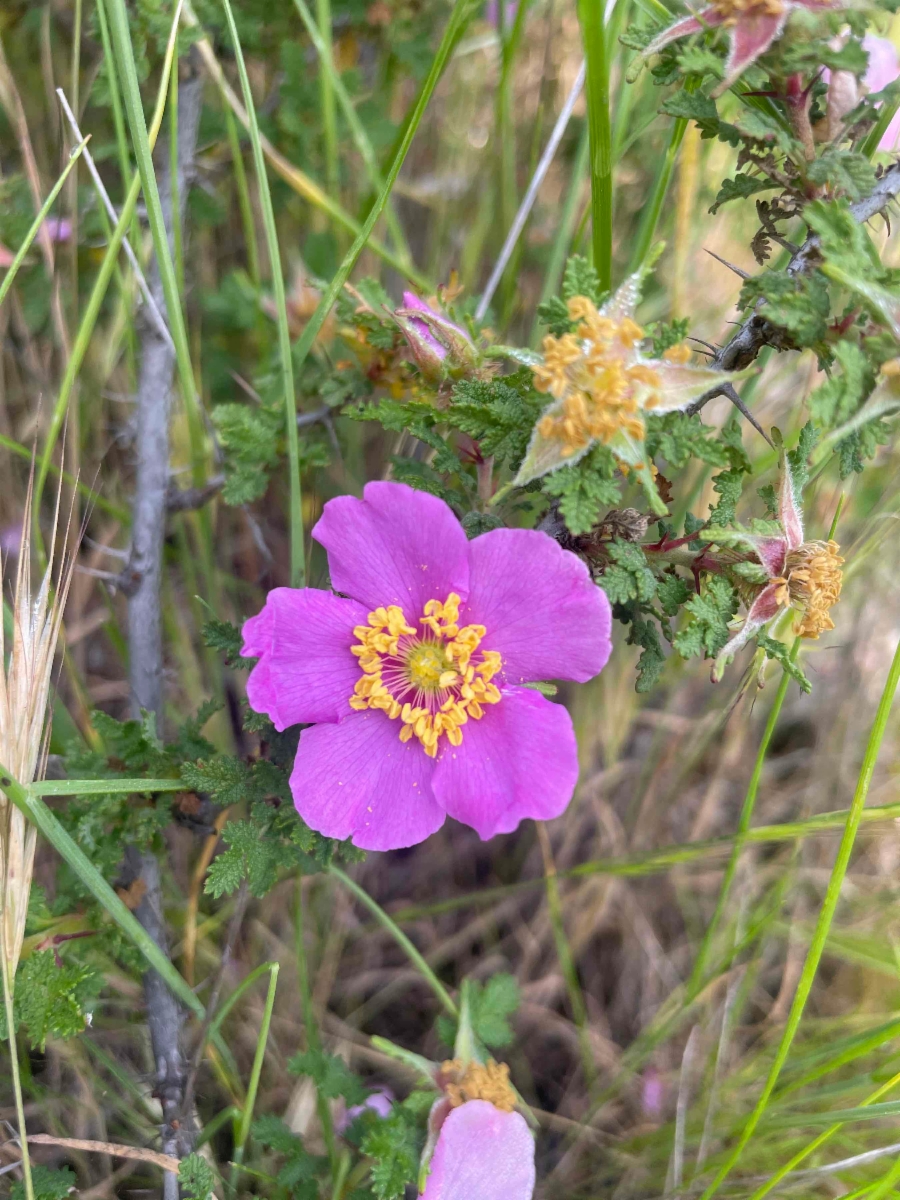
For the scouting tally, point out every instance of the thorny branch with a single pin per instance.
(151, 499)
(755, 332)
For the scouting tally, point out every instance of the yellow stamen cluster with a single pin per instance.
(428, 681)
(734, 10)
(476, 1082)
(812, 582)
(597, 375)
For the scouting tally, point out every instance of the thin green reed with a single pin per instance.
(823, 924)
(590, 13)
(124, 55)
(298, 565)
(246, 1117)
(327, 98)
(400, 938)
(820, 1141)
(245, 205)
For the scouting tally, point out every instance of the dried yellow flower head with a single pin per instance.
(812, 582)
(735, 10)
(475, 1081)
(603, 388)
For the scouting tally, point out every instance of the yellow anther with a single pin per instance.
(430, 682)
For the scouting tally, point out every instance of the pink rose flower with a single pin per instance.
(411, 678)
(482, 1153)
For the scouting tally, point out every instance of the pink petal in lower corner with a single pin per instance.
(482, 1154)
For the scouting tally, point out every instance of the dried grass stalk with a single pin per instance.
(26, 667)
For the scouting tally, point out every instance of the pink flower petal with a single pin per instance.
(430, 346)
(306, 672)
(539, 605)
(771, 552)
(482, 1154)
(395, 546)
(520, 760)
(751, 36)
(357, 779)
(763, 610)
(707, 19)
(883, 67)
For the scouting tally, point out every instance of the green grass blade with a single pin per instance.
(243, 194)
(104, 787)
(298, 566)
(34, 229)
(40, 815)
(123, 51)
(590, 13)
(654, 203)
(327, 96)
(241, 990)
(243, 1130)
(400, 938)
(823, 924)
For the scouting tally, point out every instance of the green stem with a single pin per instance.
(654, 203)
(459, 19)
(590, 13)
(400, 938)
(140, 140)
(177, 243)
(243, 1131)
(326, 97)
(313, 1041)
(746, 817)
(823, 925)
(819, 1141)
(298, 566)
(243, 194)
(14, 1059)
(115, 95)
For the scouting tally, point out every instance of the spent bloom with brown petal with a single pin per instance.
(752, 26)
(802, 575)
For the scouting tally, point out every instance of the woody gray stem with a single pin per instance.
(755, 332)
(164, 1013)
